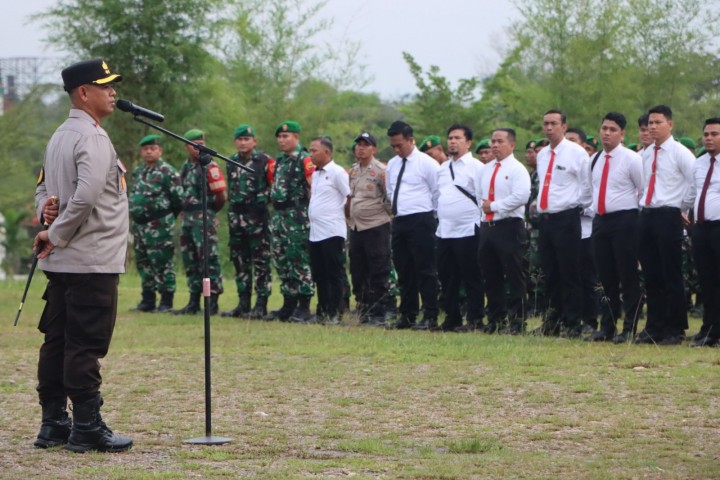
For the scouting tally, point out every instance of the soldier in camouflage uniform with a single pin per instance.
(249, 194)
(536, 299)
(191, 234)
(289, 225)
(156, 199)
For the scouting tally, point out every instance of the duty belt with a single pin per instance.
(243, 208)
(289, 204)
(143, 219)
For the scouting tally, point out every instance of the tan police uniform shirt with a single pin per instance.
(369, 204)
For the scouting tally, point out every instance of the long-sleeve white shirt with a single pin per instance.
(674, 183)
(624, 182)
(512, 188)
(418, 188)
(570, 184)
(457, 214)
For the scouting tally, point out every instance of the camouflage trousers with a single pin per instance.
(535, 275)
(192, 254)
(250, 253)
(154, 256)
(290, 247)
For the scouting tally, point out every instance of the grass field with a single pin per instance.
(305, 401)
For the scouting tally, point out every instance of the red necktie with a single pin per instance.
(701, 203)
(546, 183)
(603, 186)
(491, 195)
(651, 186)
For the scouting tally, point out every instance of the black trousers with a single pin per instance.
(78, 323)
(458, 265)
(370, 267)
(706, 253)
(559, 250)
(660, 235)
(501, 253)
(614, 239)
(588, 276)
(413, 246)
(326, 265)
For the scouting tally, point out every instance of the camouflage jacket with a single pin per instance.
(245, 188)
(156, 192)
(531, 213)
(191, 175)
(290, 178)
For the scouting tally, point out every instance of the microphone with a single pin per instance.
(130, 107)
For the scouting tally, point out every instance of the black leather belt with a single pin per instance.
(502, 221)
(143, 219)
(287, 205)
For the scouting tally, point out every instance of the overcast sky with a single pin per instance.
(463, 37)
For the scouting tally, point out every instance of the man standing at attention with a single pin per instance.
(458, 219)
(504, 186)
(156, 199)
(617, 181)
(328, 230)
(565, 192)
(191, 234)
(411, 182)
(248, 223)
(290, 193)
(368, 212)
(669, 192)
(82, 195)
(706, 233)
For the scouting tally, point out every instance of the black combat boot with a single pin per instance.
(89, 432)
(214, 303)
(166, 302)
(259, 311)
(242, 309)
(192, 307)
(286, 311)
(302, 312)
(147, 304)
(56, 424)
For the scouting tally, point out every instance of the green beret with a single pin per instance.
(152, 139)
(288, 126)
(195, 134)
(482, 145)
(632, 146)
(592, 141)
(542, 142)
(244, 131)
(688, 142)
(430, 142)
(530, 144)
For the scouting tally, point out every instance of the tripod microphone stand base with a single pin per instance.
(209, 440)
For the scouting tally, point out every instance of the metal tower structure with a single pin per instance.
(19, 74)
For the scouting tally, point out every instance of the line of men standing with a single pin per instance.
(456, 225)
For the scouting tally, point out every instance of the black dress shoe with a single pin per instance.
(490, 328)
(644, 338)
(705, 341)
(403, 324)
(572, 332)
(599, 336)
(672, 340)
(624, 337)
(469, 328)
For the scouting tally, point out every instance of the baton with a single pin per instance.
(54, 200)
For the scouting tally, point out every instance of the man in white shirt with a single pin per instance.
(706, 233)
(669, 191)
(458, 219)
(617, 182)
(330, 190)
(504, 188)
(565, 192)
(411, 181)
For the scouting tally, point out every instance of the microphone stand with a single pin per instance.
(204, 159)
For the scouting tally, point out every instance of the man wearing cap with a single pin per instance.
(411, 181)
(368, 212)
(433, 146)
(82, 196)
(484, 152)
(458, 219)
(565, 193)
(290, 193)
(249, 194)
(191, 233)
(155, 200)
